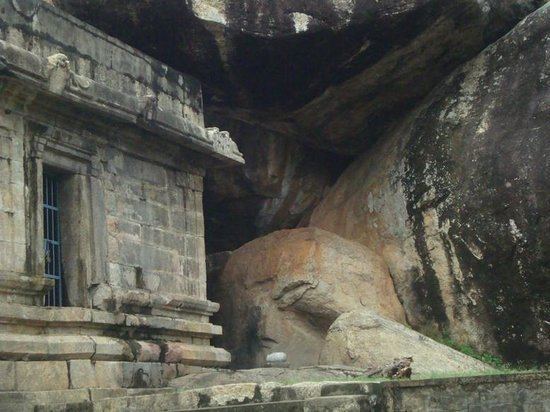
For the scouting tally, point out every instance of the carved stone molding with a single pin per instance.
(111, 298)
(20, 288)
(38, 143)
(58, 72)
(221, 141)
(149, 107)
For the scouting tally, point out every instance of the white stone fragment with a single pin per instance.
(301, 21)
(276, 357)
(211, 10)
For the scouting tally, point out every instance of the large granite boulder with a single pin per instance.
(281, 292)
(363, 339)
(456, 200)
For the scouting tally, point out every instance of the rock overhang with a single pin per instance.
(100, 76)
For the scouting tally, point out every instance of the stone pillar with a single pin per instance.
(98, 222)
(21, 264)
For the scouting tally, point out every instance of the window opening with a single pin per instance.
(52, 240)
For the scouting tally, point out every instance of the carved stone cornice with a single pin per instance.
(20, 288)
(111, 298)
(38, 143)
(222, 142)
(53, 76)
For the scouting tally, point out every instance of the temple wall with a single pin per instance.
(151, 208)
(155, 226)
(122, 137)
(12, 191)
(105, 59)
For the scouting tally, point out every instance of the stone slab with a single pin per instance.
(16, 287)
(82, 374)
(109, 374)
(145, 351)
(176, 352)
(62, 347)
(41, 375)
(107, 348)
(115, 375)
(72, 317)
(7, 376)
(45, 347)
(29, 401)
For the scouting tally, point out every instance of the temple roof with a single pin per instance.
(47, 49)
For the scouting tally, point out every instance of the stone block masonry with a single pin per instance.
(123, 137)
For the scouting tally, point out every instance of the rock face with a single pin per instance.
(280, 184)
(330, 74)
(281, 293)
(364, 339)
(456, 200)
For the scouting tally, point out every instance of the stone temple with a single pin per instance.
(102, 259)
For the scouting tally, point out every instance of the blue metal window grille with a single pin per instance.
(52, 240)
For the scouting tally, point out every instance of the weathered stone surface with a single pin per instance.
(7, 376)
(141, 375)
(40, 376)
(177, 352)
(17, 287)
(21, 314)
(468, 393)
(111, 349)
(86, 374)
(145, 351)
(163, 303)
(282, 291)
(82, 375)
(122, 137)
(17, 319)
(109, 374)
(43, 347)
(214, 377)
(364, 339)
(456, 200)
(527, 391)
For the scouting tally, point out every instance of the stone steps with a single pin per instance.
(174, 402)
(521, 391)
(247, 396)
(81, 399)
(171, 401)
(348, 403)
